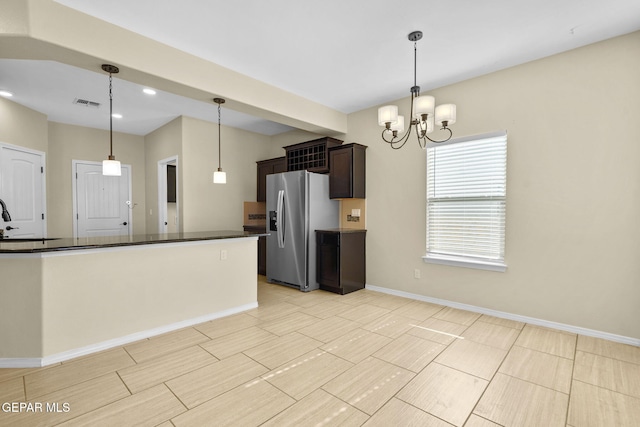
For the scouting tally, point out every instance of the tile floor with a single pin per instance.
(320, 359)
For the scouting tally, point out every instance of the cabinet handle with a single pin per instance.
(124, 223)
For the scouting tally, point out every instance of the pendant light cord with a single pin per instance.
(110, 117)
(219, 141)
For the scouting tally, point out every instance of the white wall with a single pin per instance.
(573, 191)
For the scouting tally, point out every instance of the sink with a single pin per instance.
(18, 240)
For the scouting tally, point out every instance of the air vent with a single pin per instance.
(86, 103)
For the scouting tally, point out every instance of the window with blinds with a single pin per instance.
(466, 196)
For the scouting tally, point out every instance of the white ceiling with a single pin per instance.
(345, 54)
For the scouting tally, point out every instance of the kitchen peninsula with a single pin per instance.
(64, 298)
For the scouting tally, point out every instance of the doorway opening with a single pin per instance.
(168, 196)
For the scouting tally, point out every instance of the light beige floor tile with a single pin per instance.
(158, 370)
(316, 367)
(363, 296)
(74, 372)
(513, 402)
(227, 325)
(369, 385)
(228, 345)
(80, 398)
(418, 310)
(273, 311)
(313, 298)
(614, 350)
(165, 424)
(476, 421)
(196, 387)
(147, 408)
(492, 335)
(329, 329)
(357, 345)
(364, 313)
(326, 309)
(548, 341)
(12, 390)
(318, 409)
(7, 374)
(163, 344)
(539, 368)
(289, 323)
(437, 330)
(390, 302)
(612, 374)
(592, 406)
(455, 315)
(391, 325)
(399, 413)
(473, 358)
(410, 352)
(502, 322)
(247, 405)
(281, 350)
(444, 392)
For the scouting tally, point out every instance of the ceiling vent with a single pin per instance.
(86, 103)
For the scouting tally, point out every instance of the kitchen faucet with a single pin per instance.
(5, 213)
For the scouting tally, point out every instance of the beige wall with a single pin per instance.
(573, 191)
(22, 126)
(69, 142)
(209, 206)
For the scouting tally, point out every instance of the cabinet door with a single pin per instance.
(328, 259)
(264, 169)
(341, 175)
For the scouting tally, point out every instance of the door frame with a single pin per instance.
(43, 177)
(162, 192)
(74, 164)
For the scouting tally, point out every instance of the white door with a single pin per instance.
(102, 202)
(22, 190)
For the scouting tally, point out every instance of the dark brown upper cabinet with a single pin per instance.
(268, 167)
(347, 173)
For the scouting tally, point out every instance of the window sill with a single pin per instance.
(465, 262)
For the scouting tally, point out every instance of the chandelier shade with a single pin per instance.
(423, 117)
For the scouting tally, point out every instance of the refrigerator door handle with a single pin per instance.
(280, 219)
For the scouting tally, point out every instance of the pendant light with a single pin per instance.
(111, 167)
(219, 177)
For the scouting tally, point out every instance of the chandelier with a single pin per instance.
(424, 113)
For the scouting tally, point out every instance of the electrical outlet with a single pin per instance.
(416, 273)
(223, 254)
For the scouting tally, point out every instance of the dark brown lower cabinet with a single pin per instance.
(262, 247)
(340, 264)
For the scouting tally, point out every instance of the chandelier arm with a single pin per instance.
(443, 140)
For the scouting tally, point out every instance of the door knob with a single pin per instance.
(124, 223)
(11, 228)
(166, 223)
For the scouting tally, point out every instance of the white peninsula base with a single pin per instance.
(58, 305)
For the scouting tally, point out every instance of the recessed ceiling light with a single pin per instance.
(149, 91)
(6, 93)
(116, 116)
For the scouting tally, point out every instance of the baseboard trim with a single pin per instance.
(35, 362)
(504, 315)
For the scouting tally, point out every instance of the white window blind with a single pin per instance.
(466, 195)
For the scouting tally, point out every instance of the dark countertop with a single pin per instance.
(68, 244)
(342, 230)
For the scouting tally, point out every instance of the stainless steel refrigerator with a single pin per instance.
(297, 204)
